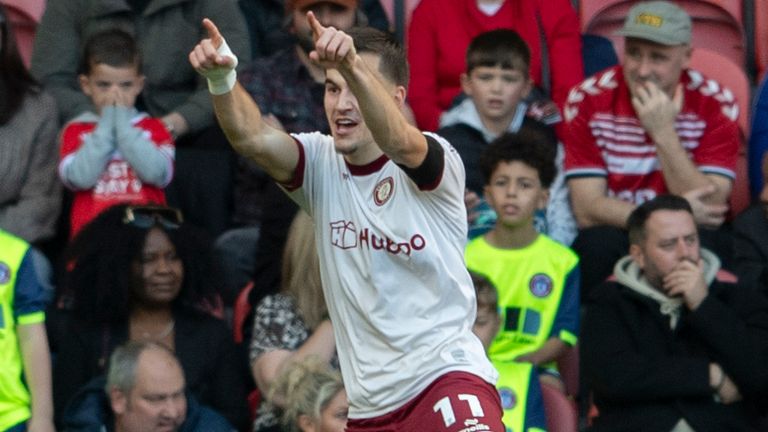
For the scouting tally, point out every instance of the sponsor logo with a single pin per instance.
(540, 285)
(650, 20)
(5, 273)
(344, 235)
(383, 191)
(473, 425)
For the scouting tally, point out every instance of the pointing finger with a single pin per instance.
(213, 33)
(317, 28)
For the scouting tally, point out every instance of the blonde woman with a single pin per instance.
(312, 396)
(292, 324)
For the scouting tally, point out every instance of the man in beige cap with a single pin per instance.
(647, 127)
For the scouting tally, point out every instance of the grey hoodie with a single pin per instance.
(628, 273)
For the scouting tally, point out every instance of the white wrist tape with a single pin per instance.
(222, 80)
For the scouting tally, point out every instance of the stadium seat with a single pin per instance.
(761, 37)
(719, 68)
(568, 365)
(560, 411)
(758, 139)
(24, 15)
(717, 25)
(399, 23)
(241, 311)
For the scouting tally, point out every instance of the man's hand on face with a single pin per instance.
(686, 280)
(334, 49)
(655, 110)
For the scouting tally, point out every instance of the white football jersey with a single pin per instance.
(392, 264)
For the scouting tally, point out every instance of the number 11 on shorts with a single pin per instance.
(446, 409)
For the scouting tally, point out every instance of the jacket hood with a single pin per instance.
(628, 273)
(466, 113)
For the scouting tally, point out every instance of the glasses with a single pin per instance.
(149, 216)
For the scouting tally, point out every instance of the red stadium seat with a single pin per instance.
(761, 38)
(241, 311)
(717, 25)
(733, 77)
(561, 411)
(407, 7)
(568, 365)
(24, 15)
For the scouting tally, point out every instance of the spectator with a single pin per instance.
(673, 343)
(313, 396)
(291, 325)
(115, 154)
(288, 87)
(164, 31)
(441, 30)
(25, 368)
(537, 278)
(30, 195)
(647, 127)
(496, 82)
(388, 201)
(266, 20)
(750, 246)
(145, 390)
(140, 273)
(518, 384)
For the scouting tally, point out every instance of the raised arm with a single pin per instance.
(707, 193)
(237, 113)
(380, 100)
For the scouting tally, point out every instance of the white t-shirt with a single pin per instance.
(392, 265)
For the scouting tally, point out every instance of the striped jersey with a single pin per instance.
(604, 137)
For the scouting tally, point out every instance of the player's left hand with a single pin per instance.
(686, 280)
(334, 49)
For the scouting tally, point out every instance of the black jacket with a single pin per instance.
(90, 412)
(646, 376)
(203, 344)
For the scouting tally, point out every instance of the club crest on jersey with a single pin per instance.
(540, 285)
(383, 191)
(508, 398)
(5, 273)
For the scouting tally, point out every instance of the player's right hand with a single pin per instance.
(213, 59)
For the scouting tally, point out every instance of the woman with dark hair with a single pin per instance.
(30, 193)
(140, 273)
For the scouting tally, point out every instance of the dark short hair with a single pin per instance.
(485, 291)
(640, 215)
(393, 65)
(16, 82)
(528, 146)
(501, 47)
(113, 47)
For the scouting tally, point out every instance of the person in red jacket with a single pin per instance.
(440, 32)
(116, 154)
